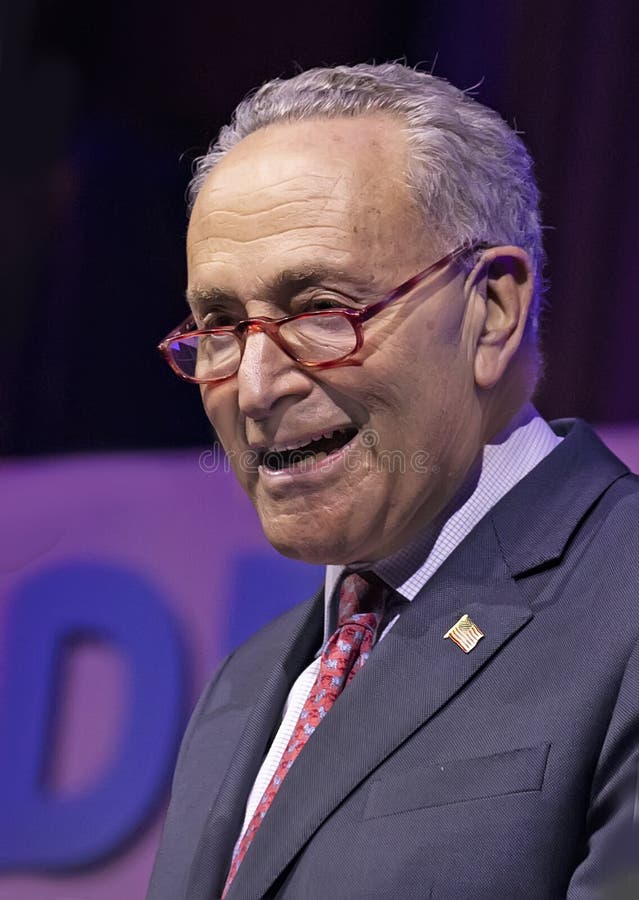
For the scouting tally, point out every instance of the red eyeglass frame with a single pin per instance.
(271, 327)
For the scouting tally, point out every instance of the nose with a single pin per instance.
(267, 377)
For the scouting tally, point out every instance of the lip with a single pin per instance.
(311, 473)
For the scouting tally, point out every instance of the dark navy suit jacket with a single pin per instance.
(510, 772)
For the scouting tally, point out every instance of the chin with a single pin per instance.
(313, 551)
(303, 552)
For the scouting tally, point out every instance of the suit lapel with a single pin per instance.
(415, 671)
(411, 674)
(271, 680)
(535, 521)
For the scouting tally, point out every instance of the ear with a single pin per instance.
(504, 280)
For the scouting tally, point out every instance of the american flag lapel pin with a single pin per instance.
(465, 634)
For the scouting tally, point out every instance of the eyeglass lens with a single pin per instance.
(313, 339)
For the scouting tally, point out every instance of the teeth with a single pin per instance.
(295, 445)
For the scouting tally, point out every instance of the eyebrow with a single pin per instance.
(284, 286)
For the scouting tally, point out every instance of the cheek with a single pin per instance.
(415, 415)
(206, 396)
(219, 407)
(412, 364)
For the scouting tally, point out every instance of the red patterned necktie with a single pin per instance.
(348, 648)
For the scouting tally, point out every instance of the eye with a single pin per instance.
(324, 303)
(321, 302)
(216, 318)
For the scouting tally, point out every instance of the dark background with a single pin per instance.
(104, 107)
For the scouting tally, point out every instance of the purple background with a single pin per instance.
(194, 535)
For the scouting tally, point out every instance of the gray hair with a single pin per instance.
(470, 172)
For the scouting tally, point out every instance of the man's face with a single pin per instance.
(294, 217)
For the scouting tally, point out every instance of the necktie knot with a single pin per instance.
(361, 596)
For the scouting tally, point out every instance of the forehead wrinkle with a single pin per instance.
(228, 239)
(308, 207)
(306, 189)
(212, 188)
(232, 218)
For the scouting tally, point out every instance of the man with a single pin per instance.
(484, 743)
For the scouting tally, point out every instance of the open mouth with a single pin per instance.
(310, 454)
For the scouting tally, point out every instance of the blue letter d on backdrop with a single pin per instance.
(39, 830)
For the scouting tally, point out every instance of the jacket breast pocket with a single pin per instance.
(456, 780)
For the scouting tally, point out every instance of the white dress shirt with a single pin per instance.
(525, 443)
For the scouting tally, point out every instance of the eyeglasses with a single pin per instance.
(320, 339)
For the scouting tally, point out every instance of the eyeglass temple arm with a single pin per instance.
(408, 286)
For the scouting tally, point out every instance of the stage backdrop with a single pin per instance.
(124, 580)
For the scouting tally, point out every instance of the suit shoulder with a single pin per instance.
(603, 562)
(620, 506)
